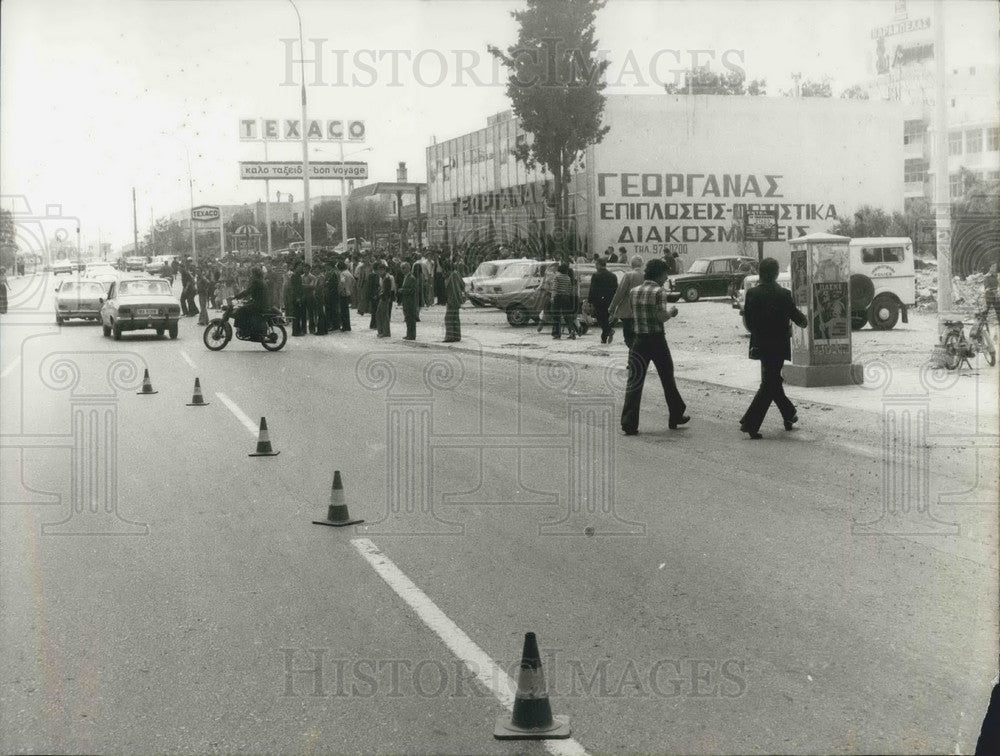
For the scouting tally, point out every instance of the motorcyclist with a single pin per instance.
(248, 316)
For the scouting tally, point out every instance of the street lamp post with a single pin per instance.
(307, 214)
(187, 157)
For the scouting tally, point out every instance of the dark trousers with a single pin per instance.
(771, 390)
(411, 326)
(452, 324)
(345, 314)
(333, 311)
(298, 318)
(373, 309)
(309, 307)
(645, 349)
(203, 303)
(628, 331)
(382, 316)
(188, 299)
(603, 320)
(562, 312)
(993, 302)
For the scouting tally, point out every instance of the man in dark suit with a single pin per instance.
(769, 312)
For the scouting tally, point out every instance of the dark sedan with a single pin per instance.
(711, 277)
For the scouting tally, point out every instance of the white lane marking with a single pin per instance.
(487, 671)
(10, 368)
(240, 414)
(188, 360)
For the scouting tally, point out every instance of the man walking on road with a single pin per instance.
(408, 299)
(603, 286)
(619, 305)
(648, 302)
(346, 294)
(454, 288)
(769, 312)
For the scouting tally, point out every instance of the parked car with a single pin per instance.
(155, 266)
(883, 281)
(521, 308)
(710, 277)
(63, 266)
(751, 280)
(135, 263)
(488, 270)
(353, 243)
(511, 278)
(136, 303)
(79, 299)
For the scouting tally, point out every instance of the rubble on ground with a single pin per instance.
(966, 292)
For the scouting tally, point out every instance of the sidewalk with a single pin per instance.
(965, 398)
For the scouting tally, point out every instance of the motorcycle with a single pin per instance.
(271, 335)
(958, 349)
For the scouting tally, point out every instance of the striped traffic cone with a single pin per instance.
(532, 719)
(147, 387)
(337, 514)
(263, 442)
(197, 400)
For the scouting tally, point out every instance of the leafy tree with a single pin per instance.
(704, 81)
(857, 92)
(555, 84)
(8, 240)
(810, 88)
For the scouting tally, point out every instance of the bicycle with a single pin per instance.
(958, 349)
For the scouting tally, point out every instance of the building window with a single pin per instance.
(955, 185)
(992, 139)
(993, 176)
(913, 131)
(955, 143)
(974, 140)
(915, 171)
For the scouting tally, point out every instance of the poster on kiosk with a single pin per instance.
(821, 276)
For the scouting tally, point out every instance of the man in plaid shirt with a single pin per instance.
(648, 304)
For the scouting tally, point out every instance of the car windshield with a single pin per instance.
(83, 289)
(486, 270)
(134, 288)
(516, 271)
(699, 266)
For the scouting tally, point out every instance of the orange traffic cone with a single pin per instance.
(532, 719)
(263, 443)
(147, 387)
(337, 514)
(197, 400)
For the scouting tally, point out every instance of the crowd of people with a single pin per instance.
(317, 297)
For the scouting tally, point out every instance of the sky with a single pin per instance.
(100, 96)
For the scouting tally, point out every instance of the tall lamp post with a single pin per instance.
(307, 213)
(187, 156)
(343, 194)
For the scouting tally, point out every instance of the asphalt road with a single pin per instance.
(731, 596)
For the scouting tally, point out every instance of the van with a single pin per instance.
(883, 281)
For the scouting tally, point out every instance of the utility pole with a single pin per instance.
(307, 211)
(135, 225)
(942, 185)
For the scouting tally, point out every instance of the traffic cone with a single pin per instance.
(197, 400)
(532, 719)
(263, 442)
(147, 387)
(337, 514)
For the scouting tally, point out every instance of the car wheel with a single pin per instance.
(116, 331)
(59, 320)
(883, 313)
(691, 294)
(106, 329)
(517, 315)
(173, 330)
(159, 332)
(858, 320)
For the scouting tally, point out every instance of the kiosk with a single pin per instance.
(821, 276)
